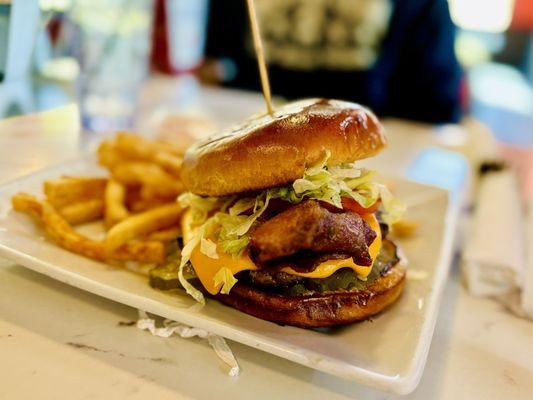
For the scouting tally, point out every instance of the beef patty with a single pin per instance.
(343, 279)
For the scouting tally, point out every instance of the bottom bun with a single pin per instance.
(321, 310)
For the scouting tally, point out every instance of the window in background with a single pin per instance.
(495, 46)
(482, 15)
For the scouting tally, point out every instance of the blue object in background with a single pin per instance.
(502, 98)
(442, 168)
(19, 24)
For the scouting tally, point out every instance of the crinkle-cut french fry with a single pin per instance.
(151, 191)
(140, 225)
(137, 148)
(83, 211)
(115, 203)
(165, 235)
(140, 251)
(171, 148)
(63, 234)
(108, 156)
(169, 162)
(28, 204)
(148, 174)
(139, 199)
(68, 190)
(145, 179)
(140, 205)
(142, 148)
(405, 228)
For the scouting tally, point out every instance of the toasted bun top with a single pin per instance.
(274, 150)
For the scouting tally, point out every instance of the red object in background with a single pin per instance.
(54, 28)
(160, 57)
(522, 15)
(178, 37)
(464, 95)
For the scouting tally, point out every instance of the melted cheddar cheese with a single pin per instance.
(206, 267)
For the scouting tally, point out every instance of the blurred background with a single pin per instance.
(402, 58)
(132, 64)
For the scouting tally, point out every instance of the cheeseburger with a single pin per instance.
(283, 224)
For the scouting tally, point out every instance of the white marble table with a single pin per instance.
(57, 342)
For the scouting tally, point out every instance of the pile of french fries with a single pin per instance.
(136, 203)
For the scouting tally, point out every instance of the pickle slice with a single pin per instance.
(165, 277)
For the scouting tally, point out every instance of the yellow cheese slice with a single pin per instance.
(206, 267)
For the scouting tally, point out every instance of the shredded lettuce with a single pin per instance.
(242, 205)
(394, 207)
(234, 246)
(200, 206)
(209, 248)
(225, 277)
(228, 220)
(331, 184)
(261, 204)
(185, 258)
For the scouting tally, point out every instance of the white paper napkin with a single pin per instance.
(172, 327)
(494, 256)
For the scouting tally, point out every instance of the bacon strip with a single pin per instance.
(309, 227)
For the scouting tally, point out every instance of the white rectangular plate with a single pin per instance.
(388, 352)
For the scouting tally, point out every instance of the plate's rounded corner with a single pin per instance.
(407, 384)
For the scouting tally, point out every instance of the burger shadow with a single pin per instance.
(105, 336)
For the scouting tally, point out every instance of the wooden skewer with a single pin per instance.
(258, 46)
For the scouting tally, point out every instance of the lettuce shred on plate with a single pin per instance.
(232, 219)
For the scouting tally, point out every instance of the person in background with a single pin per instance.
(396, 56)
